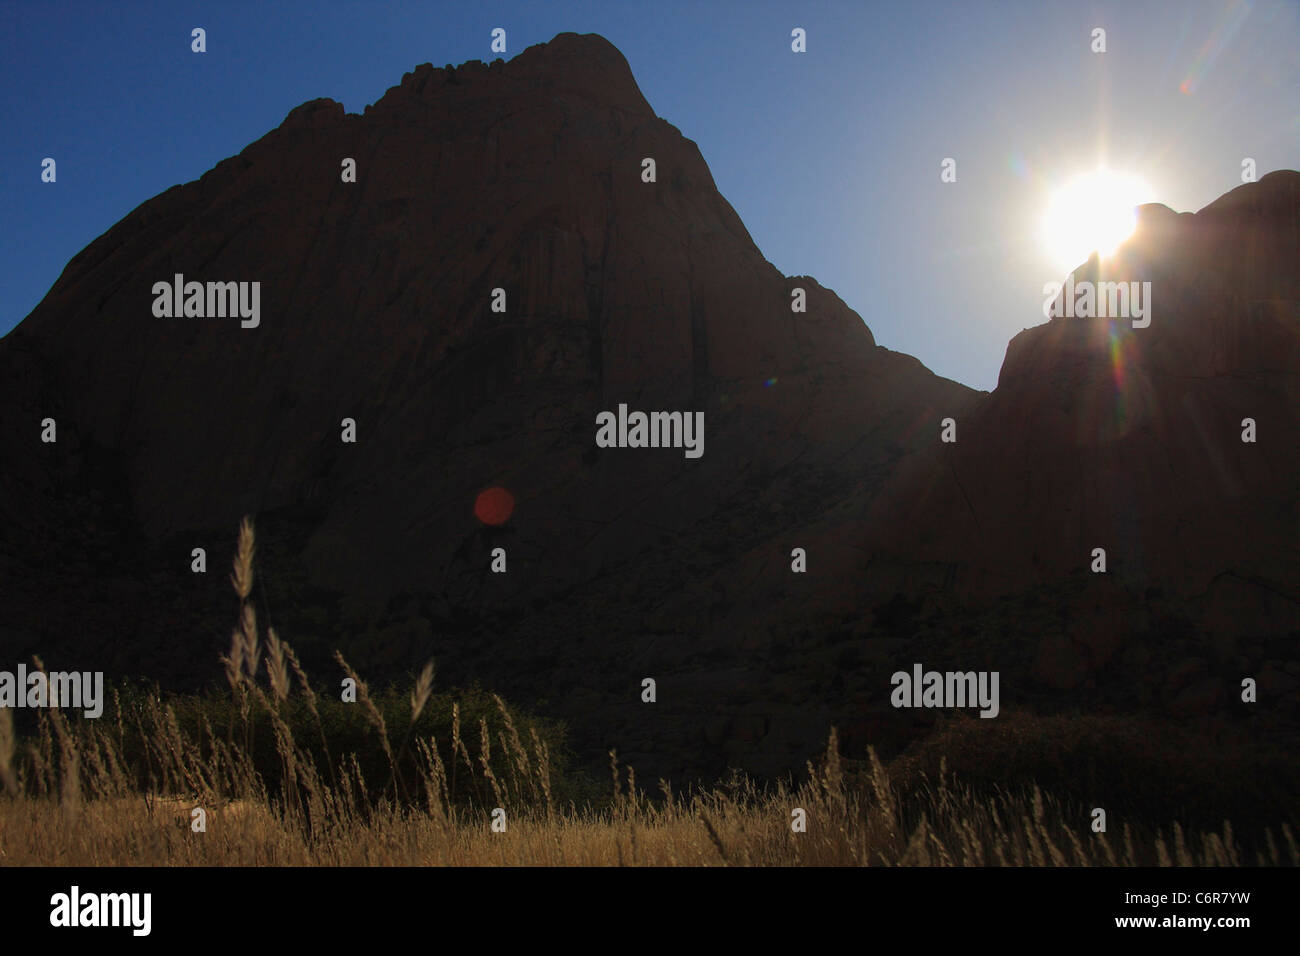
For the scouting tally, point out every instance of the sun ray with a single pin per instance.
(1093, 213)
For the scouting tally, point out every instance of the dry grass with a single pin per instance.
(736, 827)
(74, 795)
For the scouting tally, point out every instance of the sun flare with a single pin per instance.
(1093, 213)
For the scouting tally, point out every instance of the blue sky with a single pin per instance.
(831, 158)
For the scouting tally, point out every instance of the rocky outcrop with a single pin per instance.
(377, 306)
(1103, 435)
(1100, 434)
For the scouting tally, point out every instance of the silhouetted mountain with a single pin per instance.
(979, 553)
(1101, 434)
(376, 305)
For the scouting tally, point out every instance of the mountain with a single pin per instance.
(1112, 434)
(1102, 434)
(376, 320)
(376, 306)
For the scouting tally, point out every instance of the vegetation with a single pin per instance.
(285, 775)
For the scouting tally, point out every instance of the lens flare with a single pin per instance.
(1094, 213)
(494, 506)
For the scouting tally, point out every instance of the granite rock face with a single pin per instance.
(1101, 434)
(1105, 435)
(979, 554)
(376, 305)
(623, 563)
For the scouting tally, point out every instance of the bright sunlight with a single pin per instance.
(1093, 213)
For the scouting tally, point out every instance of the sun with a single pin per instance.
(1093, 213)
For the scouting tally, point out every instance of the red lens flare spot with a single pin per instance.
(494, 506)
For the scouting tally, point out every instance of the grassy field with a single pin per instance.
(284, 775)
(90, 812)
